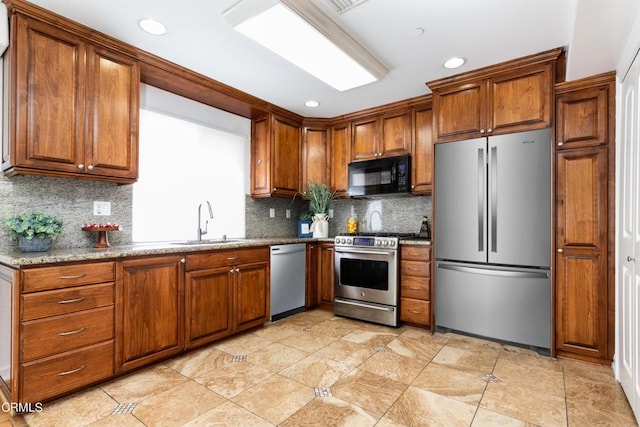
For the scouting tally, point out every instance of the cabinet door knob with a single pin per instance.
(560, 143)
(80, 166)
(183, 260)
(560, 250)
(482, 131)
(489, 130)
(275, 189)
(259, 161)
(90, 167)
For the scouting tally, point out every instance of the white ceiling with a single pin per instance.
(484, 32)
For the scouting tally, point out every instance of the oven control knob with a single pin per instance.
(386, 243)
(392, 243)
(378, 243)
(349, 241)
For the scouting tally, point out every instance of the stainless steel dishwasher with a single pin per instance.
(288, 268)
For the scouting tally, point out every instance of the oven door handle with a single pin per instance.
(357, 304)
(361, 251)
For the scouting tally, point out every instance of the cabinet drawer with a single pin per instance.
(415, 268)
(39, 279)
(415, 287)
(51, 303)
(219, 258)
(67, 332)
(56, 375)
(416, 253)
(415, 311)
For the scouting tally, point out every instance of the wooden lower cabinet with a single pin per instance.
(326, 275)
(151, 313)
(415, 285)
(226, 292)
(209, 300)
(66, 333)
(320, 275)
(581, 256)
(252, 295)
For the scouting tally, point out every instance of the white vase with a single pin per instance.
(320, 225)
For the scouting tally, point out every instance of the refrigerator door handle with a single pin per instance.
(481, 189)
(493, 180)
(491, 272)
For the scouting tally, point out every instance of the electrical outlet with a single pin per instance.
(330, 213)
(287, 213)
(272, 213)
(101, 208)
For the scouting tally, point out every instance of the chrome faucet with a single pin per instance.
(206, 224)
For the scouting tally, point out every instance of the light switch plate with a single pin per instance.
(330, 213)
(287, 213)
(272, 213)
(101, 208)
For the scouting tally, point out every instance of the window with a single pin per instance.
(184, 163)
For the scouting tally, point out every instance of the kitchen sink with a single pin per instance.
(204, 242)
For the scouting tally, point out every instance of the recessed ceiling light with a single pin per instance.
(311, 103)
(454, 62)
(417, 32)
(152, 26)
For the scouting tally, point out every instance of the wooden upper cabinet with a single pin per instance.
(461, 111)
(261, 157)
(364, 142)
(315, 154)
(381, 136)
(275, 157)
(74, 106)
(113, 111)
(513, 96)
(583, 117)
(340, 137)
(395, 133)
(422, 159)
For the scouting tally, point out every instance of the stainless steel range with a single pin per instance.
(366, 278)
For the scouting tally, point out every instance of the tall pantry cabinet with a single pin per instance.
(585, 199)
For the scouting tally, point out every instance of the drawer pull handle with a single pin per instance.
(414, 269)
(415, 288)
(73, 371)
(77, 331)
(414, 254)
(77, 276)
(231, 258)
(415, 312)
(69, 301)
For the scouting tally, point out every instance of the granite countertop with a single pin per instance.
(19, 259)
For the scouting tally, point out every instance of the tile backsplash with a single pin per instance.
(72, 200)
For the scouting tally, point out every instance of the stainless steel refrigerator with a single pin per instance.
(493, 237)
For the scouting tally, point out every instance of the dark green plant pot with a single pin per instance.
(35, 244)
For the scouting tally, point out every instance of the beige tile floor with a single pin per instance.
(317, 369)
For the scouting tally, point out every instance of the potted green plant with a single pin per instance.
(320, 198)
(35, 231)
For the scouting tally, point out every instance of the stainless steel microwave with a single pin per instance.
(377, 177)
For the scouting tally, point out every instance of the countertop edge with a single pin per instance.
(16, 259)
